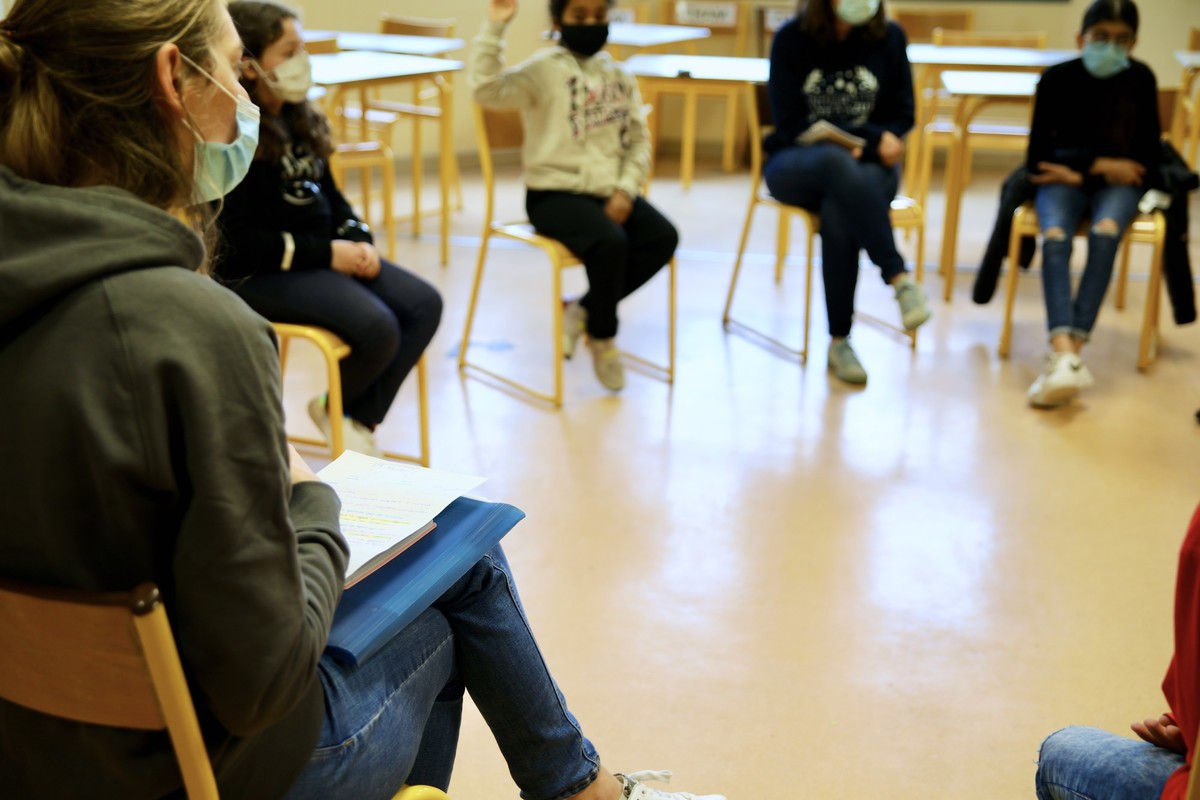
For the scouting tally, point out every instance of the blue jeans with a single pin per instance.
(852, 199)
(388, 321)
(394, 719)
(1090, 764)
(1061, 206)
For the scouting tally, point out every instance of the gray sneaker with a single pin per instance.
(573, 325)
(606, 361)
(914, 310)
(845, 363)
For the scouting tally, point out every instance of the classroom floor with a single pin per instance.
(779, 586)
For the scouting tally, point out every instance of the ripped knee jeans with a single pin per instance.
(1060, 209)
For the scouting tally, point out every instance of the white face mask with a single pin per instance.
(293, 78)
(856, 12)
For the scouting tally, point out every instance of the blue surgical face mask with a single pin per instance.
(1105, 59)
(857, 12)
(219, 167)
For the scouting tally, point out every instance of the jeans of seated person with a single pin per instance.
(852, 199)
(388, 321)
(618, 259)
(1080, 763)
(1061, 206)
(394, 718)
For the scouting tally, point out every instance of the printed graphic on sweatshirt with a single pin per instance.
(300, 172)
(596, 105)
(845, 97)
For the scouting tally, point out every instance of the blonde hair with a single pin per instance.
(78, 97)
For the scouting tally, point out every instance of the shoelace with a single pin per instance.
(632, 779)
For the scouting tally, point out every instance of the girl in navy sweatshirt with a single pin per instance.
(841, 61)
(293, 247)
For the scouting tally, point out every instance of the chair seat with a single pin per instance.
(525, 232)
(327, 340)
(1145, 228)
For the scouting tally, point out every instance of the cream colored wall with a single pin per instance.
(524, 36)
(1164, 29)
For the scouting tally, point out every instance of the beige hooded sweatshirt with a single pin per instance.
(584, 127)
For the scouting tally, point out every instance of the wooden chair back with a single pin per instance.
(321, 47)
(918, 24)
(417, 26)
(1035, 40)
(1194, 39)
(102, 658)
(495, 129)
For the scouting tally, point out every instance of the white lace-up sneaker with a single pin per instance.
(355, 435)
(636, 790)
(1065, 374)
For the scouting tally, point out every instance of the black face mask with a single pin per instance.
(584, 40)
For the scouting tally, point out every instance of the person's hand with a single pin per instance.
(369, 267)
(891, 149)
(1056, 173)
(502, 11)
(301, 471)
(356, 259)
(856, 153)
(1119, 171)
(618, 207)
(1161, 732)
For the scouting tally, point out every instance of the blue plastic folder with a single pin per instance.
(379, 606)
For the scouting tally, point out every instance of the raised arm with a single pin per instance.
(492, 84)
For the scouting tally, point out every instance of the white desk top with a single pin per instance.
(351, 67)
(1011, 58)
(389, 42)
(991, 84)
(702, 68)
(1189, 59)
(638, 34)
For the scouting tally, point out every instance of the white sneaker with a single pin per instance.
(573, 325)
(359, 438)
(355, 435)
(319, 414)
(1065, 374)
(636, 790)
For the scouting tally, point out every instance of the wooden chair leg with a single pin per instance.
(1010, 283)
(1122, 274)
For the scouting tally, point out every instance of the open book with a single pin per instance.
(388, 506)
(825, 131)
(373, 611)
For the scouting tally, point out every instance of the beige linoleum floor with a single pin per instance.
(780, 587)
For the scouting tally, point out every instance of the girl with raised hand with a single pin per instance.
(586, 156)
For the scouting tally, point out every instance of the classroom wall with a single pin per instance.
(1164, 29)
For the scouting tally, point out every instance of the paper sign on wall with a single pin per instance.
(773, 18)
(707, 14)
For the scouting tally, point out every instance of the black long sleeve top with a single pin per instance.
(296, 195)
(1078, 118)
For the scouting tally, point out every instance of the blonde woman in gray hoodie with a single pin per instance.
(586, 156)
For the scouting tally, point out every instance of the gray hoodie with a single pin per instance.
(584, 127)
(143, 440)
